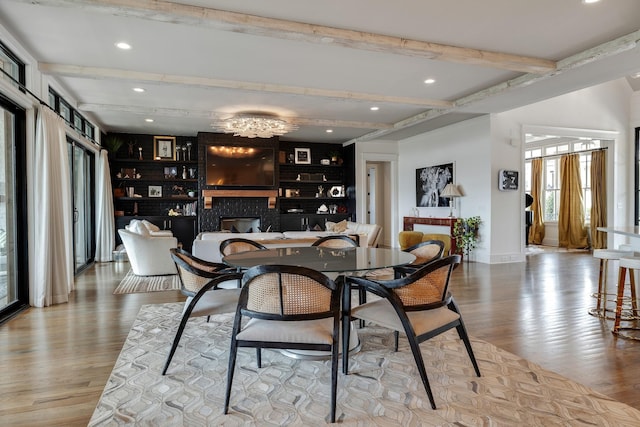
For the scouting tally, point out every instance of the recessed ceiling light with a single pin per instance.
(138, 89)
(148, 120)
(123, 45)
(375, 108)
(329, 130)
(429, 81)
(590, 1)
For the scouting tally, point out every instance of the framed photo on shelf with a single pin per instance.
(171, 172)
(164, 147)
(303, 156)
(155, 191)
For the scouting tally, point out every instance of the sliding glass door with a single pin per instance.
(82, 180)
(13, 282)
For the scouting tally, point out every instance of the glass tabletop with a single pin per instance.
(323, 259)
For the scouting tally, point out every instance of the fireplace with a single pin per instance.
(240, 225)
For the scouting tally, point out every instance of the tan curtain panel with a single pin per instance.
(536, 231)
(598, 198)
(572, 233)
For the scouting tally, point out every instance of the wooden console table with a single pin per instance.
(410, 221)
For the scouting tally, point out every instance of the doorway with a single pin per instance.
(378, 196)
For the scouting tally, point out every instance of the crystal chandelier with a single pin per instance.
(254, 125)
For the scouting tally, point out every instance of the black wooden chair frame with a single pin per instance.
(243, 311)
(224, 274)
(385, 290)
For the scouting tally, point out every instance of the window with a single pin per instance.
(12, 66)
(552, 149)
(71, 115)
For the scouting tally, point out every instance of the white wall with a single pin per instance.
(605, 107)
(468, 146)
(482, 146)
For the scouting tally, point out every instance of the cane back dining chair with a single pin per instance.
(336, 242)
(211, 288)
(238, 244)
(425, 252)
(418, 305)
(287, 307)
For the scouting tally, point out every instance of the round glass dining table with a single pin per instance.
(342, 261)
(331, 261)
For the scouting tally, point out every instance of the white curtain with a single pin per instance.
(52, 263)
(105, 227)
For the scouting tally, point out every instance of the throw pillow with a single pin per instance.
(340, 227)
(150, 226)
(132, 225)
(329, 225)
(140, 229)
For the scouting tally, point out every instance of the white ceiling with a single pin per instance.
(197, 64)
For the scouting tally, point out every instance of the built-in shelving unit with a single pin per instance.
(301, 197)
(160, 193)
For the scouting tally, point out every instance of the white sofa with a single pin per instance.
(207, 244)
(149, 255)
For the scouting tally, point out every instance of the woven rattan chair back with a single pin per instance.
(335, 242)
(236, 245)
(194, 272)
(429, 288)
(286, 294)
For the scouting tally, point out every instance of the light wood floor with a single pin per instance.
(54, 362)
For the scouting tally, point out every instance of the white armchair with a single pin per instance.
(149, 256)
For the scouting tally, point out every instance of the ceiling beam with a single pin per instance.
(175, 13)
(98, 73)
(597, 53)
(173, 112)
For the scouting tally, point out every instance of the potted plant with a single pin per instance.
(465, 231)
(112, 145)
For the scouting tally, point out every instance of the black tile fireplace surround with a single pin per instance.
(225, 208)
(240, 224)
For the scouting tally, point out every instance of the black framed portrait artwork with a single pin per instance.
(430, 181)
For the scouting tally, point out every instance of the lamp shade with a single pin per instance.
(450, 190)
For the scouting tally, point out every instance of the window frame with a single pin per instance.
(567, 148)
(72, 116)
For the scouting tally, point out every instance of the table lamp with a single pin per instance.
(450, 191)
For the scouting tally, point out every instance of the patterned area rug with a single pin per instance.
(383, 388)
(132, 284)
